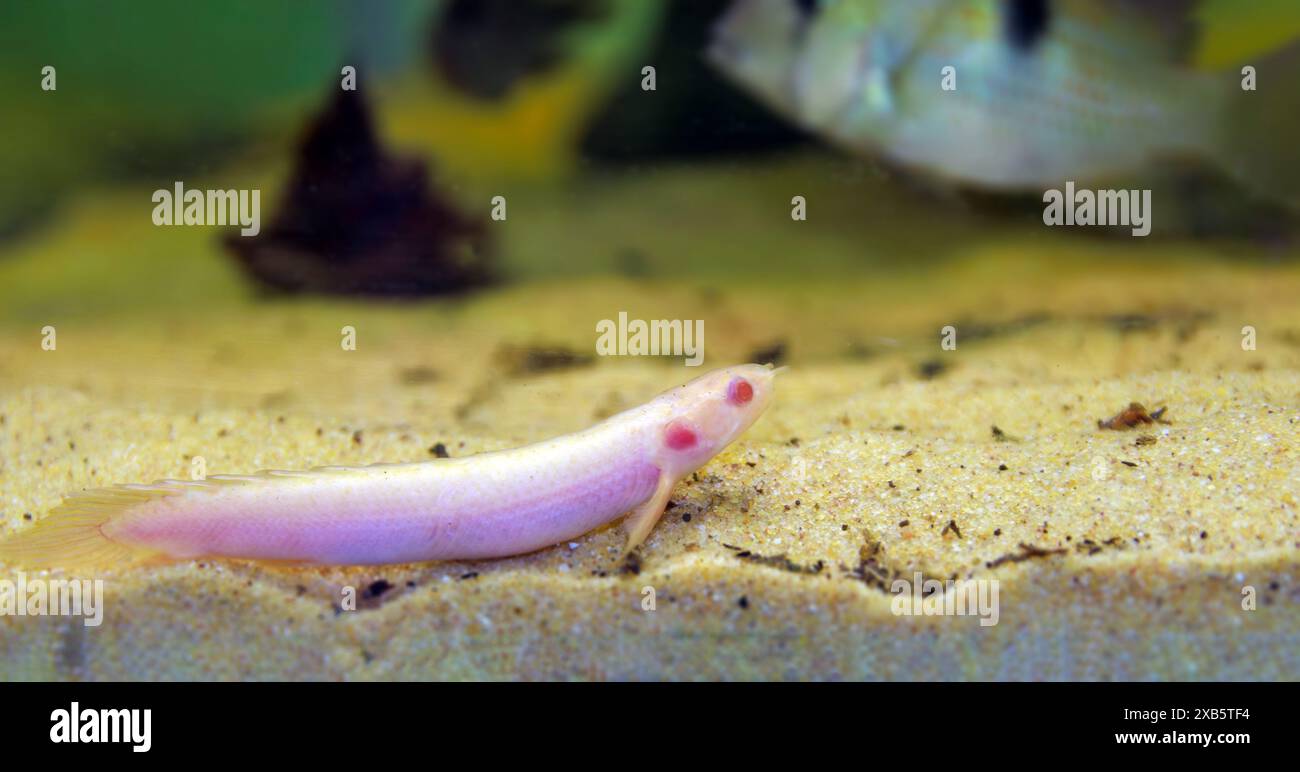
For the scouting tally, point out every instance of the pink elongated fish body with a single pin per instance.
(490, 505)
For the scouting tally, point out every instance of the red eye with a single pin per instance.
(679, 436)
(739, 391)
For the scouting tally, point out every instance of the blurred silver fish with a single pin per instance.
(1045, 90)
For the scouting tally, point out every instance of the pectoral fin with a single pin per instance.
(644, 517)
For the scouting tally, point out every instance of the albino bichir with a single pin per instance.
(485, 506)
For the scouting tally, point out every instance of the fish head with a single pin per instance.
(702, 417)
(821, 62)
(757, 44)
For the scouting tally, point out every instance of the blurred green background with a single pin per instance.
(538, 101)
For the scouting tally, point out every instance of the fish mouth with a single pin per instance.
(754, 44)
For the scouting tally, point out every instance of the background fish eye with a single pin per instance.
(1026, 22)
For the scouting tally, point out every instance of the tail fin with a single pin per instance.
(1258, 142)
(72, 534)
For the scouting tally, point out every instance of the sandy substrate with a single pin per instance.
(1114, 559)
(1118, 554)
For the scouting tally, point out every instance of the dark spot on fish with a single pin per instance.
(743, 602)
(439, 450)
(1027, 22)
(469, 575)
(951, 526)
